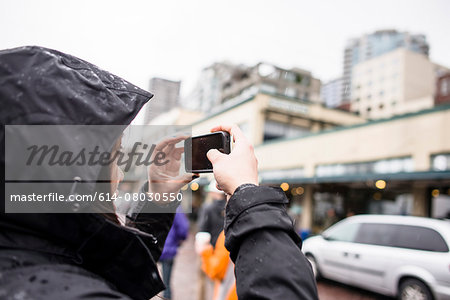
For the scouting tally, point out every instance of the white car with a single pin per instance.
(399, 256)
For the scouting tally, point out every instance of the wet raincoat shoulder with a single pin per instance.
(44, 86)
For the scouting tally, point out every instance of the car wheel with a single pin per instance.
(314, 266)
(413, 289)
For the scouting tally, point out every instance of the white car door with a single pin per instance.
(369, 258)
(334, 259)
(370, 266)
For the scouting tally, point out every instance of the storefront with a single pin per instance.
(421, 194)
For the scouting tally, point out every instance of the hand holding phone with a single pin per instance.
(237, 168)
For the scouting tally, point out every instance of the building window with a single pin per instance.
(290, 92)
(369, 96)
(445, 87)
(275, 75)
(305, 80)
(268, 88)
(244, 76)
(283, 174)
(381, 106)
(289, 76)
(381, 93)
(275, 130)
(384, 166)
(369, 109)
(440, 162)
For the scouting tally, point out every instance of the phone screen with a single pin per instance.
(195, 150)
(201, 146)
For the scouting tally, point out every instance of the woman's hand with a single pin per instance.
(236, 168)
(164, 174)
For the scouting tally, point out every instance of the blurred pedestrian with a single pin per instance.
(211, 218)
(216, 263)
(331, 218)
(212, 213)
(295, 212)
(177, 234)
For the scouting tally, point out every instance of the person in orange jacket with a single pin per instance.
(217, 265)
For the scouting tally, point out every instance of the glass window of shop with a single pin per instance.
(364, 198)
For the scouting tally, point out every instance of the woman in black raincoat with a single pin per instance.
(91, 255)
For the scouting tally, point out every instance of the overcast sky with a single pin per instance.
(140, 39)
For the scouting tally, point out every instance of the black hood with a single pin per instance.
(47, 87)
(39, 86)
(44, 86)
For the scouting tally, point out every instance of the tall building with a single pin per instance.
(224, 83)
(397, 82)
(372, 45)
(331, 93)
(166, 96)
(207, 92)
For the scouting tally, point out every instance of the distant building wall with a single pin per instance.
(166, 97)
(331, 93)
(372, 45)
(224, 82)
(394, 83)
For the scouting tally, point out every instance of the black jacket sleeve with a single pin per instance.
(265, 248)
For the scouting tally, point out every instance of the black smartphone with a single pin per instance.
(195, 149)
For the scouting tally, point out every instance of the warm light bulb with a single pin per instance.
(435, 193)
(194, 186)
(300, 190)
(380, 184)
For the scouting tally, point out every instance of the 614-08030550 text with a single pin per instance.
(102, 197)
